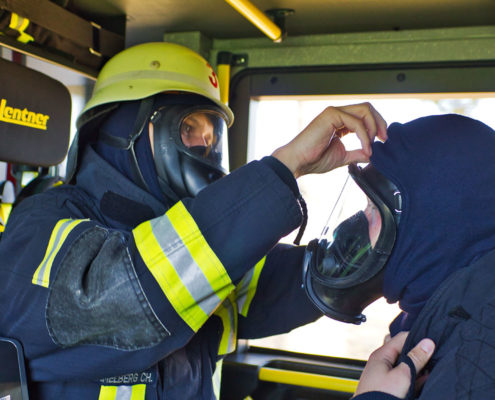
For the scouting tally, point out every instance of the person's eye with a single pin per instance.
(186, 130)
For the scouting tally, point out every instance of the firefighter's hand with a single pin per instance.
(318, 148)
(380, 375)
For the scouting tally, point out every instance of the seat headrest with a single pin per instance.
(35, 114)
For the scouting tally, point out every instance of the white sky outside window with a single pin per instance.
(276, 120)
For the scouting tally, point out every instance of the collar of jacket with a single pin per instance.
(459, 310)
(122, 203)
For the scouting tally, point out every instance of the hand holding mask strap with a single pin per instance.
(409, 362)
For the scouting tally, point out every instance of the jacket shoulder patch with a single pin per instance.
(96, 297)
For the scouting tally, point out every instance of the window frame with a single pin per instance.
(364, 79)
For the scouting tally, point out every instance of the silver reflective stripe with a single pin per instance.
(228, 313)
(135, 392)
(243, 288)
(123, 393)
(188, 271)
(247, 288)
(54, 248)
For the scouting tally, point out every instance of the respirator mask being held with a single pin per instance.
(343, 269)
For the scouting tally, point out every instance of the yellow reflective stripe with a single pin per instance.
(203, 255)
(59, 234)
(166, 276)
(135, 392)
(227, 311)
(224, 341)
(20, 24)
(138, 392)
(247, 287)
(185, 267)
(108, 393)
(217, 379)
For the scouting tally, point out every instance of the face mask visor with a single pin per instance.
(199, 132)
(189, 147)
(202, 134)
(343, 268)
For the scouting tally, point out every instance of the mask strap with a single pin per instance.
(142, 117)
(304, 210)
(409, 362)
(167, 191)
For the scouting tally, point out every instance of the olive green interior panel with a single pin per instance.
(150, 19)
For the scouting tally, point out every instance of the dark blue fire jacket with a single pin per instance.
(459, 317)
(113, 296)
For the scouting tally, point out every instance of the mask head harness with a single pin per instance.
(343, 273)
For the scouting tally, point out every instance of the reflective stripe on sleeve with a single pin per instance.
(135, 392)
(189, 273)
(60, 232)
(217, 379)
(228, 313)
(247, 287)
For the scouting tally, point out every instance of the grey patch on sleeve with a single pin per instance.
(96, 297)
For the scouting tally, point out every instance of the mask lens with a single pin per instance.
(343, 270)
(202, 132)
(349, 248)
(350, 235)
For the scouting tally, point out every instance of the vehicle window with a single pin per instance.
(273, 122)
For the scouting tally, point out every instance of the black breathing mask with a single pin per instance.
(189, 145)
(343, 269)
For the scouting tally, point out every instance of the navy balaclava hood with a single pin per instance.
(444, 167)
(120, 124)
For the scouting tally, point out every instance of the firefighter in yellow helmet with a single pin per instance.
(136, 278)
(171, 86)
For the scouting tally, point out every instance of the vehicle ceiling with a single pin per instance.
(148, 20)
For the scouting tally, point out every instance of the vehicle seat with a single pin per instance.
(39, 184)
(35, 115)
(13, 382)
